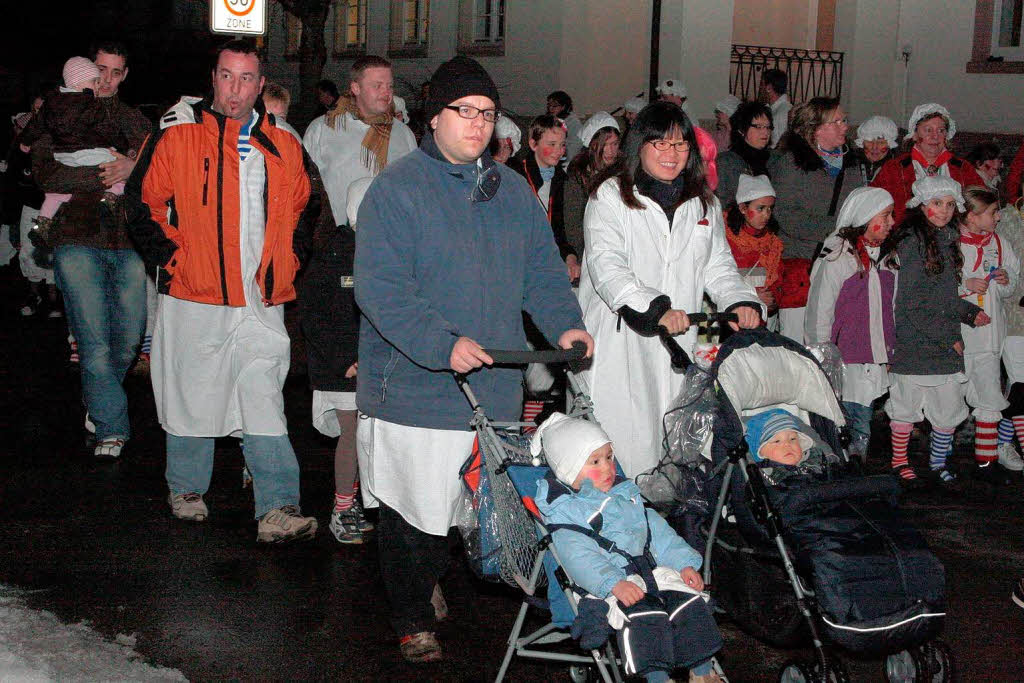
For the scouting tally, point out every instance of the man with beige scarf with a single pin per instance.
(360, 135)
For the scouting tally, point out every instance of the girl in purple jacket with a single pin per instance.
(850, 303)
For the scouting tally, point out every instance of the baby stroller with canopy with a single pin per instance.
(507, 540)
(830, 559)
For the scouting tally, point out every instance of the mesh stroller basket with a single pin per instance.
(498, 532)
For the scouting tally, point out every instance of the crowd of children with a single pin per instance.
(920, 313)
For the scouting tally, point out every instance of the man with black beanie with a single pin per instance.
(451, 248)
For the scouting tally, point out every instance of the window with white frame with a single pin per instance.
(488, 21)
(1007, 19)
(350, 27)
(415, 22)
(410, 27)
(482, 26)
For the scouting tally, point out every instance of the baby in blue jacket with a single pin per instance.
(617, 551)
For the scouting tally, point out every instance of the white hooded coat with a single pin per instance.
(632, 257)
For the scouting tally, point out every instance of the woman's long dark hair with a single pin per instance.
(734, 220)
(656, 121)
(584, 166)
(887, 250)
(917, 223)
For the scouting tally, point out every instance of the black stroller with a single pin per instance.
(831, 559)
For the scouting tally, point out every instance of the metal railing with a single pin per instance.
(812, 73)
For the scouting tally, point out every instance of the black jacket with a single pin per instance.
(525, 164)
(327, 308)
(19, 188)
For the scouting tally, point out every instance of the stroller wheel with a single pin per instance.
(581, 674)
(906, 666)
(938, 658)
(795, 671)
(835, 670)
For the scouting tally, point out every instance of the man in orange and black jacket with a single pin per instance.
(223, 201)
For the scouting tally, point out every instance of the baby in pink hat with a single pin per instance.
(81, 131)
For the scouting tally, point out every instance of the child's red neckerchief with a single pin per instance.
(753, 233)
(862, 253)
(980, 241)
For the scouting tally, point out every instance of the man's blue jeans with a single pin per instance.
(105, 299)
(270, 459)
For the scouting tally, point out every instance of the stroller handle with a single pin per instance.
(545, 356)
(680, 360)
(712, 318)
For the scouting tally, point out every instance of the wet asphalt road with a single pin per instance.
(100, 543)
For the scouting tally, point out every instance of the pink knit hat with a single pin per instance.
(78, 70)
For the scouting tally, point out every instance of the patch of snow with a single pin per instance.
(128, 640)
(35, 646)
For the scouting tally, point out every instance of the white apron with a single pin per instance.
(325, 405)
(220, 370)
(413, 470)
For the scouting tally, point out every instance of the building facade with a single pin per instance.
(896, 53)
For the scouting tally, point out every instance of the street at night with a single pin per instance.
(96, 542)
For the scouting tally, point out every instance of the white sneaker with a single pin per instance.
(188, 506)
(285, 524)
(1009, 457)
(109, 448)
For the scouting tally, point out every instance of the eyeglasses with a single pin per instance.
(762, 126)
(468, 112)
(845, 121)
(664, 145)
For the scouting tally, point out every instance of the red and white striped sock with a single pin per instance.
(986, 436)
(531, 409)
(342, 503)
(900, 441)
(1018, 428)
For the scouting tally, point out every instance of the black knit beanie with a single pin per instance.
(458, 77)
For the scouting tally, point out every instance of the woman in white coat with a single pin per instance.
(655, 244)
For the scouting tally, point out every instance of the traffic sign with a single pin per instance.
(245, 17)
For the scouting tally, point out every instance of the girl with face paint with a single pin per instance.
(989, 277)
(850, 304)
(927, 367)
(753, 240)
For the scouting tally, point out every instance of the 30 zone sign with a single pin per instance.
(248, 17)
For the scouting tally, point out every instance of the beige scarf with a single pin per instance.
(375, 142)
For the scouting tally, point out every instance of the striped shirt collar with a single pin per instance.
(244, 146)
